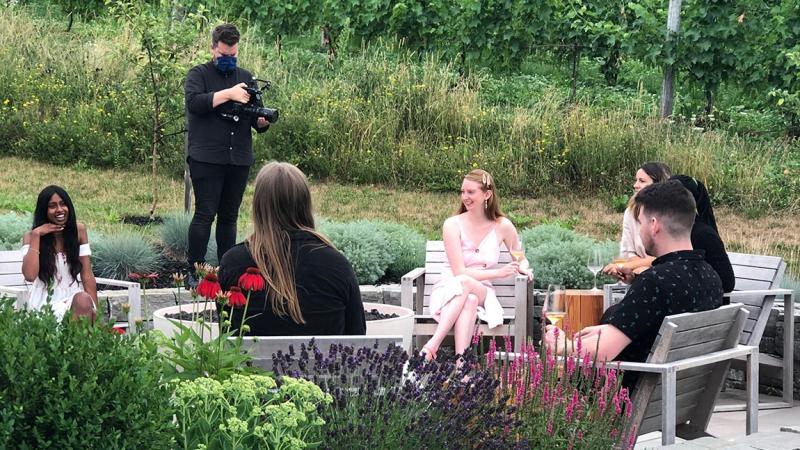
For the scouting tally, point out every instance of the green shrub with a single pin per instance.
(119, 255)
(70, 385)
(406, 246)
(248, 411)
(558, 256)
(12, 229)
(175, 237)
(364, 244)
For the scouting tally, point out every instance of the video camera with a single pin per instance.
(254, 106)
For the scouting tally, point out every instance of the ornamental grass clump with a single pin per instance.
(383, 399)
(248, 411)
(563, 403)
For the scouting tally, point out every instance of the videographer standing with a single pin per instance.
(220, 149)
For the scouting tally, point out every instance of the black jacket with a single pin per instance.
(705, 238)
(330, 300)
(213, 139)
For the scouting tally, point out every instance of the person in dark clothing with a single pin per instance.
(679, 281)
(219, 149)
(311, 288)
(705, 235)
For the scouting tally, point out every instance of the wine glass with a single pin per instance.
(595, 264)
(555, 304)
(517, 251)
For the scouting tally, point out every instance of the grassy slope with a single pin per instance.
(103, 196)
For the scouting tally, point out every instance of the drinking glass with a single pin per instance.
(595, 264)
(555, 304)
(517, 252)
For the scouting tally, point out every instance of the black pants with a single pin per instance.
(218, 190)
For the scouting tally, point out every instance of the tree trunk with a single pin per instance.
(70, 18)
(667, 85)
(279, 47)
(155, 138)
(576, 54)
(709, 101)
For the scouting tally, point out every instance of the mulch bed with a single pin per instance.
(142, 221)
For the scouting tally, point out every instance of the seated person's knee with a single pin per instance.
(467, 282)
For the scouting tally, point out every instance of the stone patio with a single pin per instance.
(779, 429)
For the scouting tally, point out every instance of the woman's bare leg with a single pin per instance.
(83, 306)
(454, 309)
(465, 324)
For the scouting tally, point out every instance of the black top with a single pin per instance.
(213, 139)
(678, 282)
(327, 289)
(705, 238)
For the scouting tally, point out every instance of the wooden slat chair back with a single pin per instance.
(756, 272)
(512, 292)
(261, 348)
(690, 392)
(13, 284)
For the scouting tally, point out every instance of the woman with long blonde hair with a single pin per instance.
(472, 241)
(311, 288)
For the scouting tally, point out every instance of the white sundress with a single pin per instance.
(485, 255)
(64, 286)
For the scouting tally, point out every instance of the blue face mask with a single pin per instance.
(225, 64)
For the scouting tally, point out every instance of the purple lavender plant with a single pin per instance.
(384, 399)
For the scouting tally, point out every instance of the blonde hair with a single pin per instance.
(281, 202)
(485, 179)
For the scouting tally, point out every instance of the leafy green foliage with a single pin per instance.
(174, 234)
(407, 247)
(558, 256)
(12, 229)
(364, 244)
(122, 254)
(70, 385)
(248, 412)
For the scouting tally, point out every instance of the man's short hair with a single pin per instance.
(225, 33)
(670, 202)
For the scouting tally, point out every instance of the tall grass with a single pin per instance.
(377, 115)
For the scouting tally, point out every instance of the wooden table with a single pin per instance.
(584, 308)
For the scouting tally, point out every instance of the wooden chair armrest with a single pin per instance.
(407, 288)
(134, 299)
(734, 295)
(683, 364)
(113, 282)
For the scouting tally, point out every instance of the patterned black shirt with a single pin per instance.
(678, 282)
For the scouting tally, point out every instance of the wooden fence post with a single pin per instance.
(667, 87)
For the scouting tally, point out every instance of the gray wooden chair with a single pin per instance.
(757, 280)
(13, 283)
(261, 348)
(679, 384)
(514, 293)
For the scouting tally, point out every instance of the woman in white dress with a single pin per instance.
(56, 258)
(472, 243)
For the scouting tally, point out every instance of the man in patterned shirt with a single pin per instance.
(679, 281)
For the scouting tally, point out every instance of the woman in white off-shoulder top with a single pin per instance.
(56, 258)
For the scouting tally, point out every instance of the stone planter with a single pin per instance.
(167, 326)
(402, 325)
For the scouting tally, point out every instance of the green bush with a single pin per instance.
(407, 247)
(364, 244)
(248, 411)
(558, 256)
(12, 229)
(70, 385)
(119, 255)
(175, 237)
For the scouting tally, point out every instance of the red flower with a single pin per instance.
(134, 276)
(209, 286)
(252, 280)
(150, 276)
(118, 330)
(236, 298)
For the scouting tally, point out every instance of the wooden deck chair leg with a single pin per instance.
(752, 393)
(668, 399)
(135, 312)
(788, 351)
